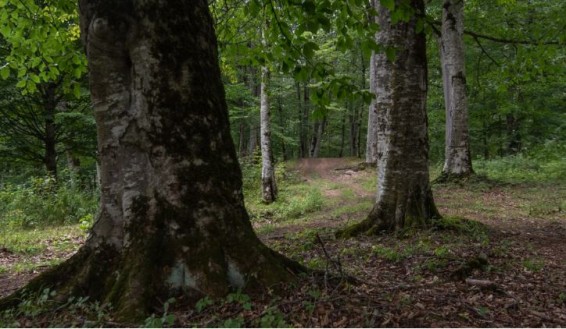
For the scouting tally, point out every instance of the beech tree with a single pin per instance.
(269, 187)
(171, 217)
(404, 197)
(457, 158)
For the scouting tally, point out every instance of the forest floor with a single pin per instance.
(498, 261)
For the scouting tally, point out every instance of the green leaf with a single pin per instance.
(4, 72)
(309, 7)
(309, 48)
(389, 4)
(21, 84)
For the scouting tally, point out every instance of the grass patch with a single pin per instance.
(521, 169)
(31, 249)
(295, 198)
(34, 242)
(475, 230)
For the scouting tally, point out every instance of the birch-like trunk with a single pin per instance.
(458, 162)
(172, 218)
(268, 184)
(404, 197)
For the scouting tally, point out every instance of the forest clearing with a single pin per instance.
(499, 261)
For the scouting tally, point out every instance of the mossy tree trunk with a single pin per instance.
(404, 197)
(172, 218)
(458, 161)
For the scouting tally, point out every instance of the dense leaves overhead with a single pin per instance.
(43, 39)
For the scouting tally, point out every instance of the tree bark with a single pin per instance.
(371, 139)
(172, 218)
(458, 162)
(404, 197)
(268, 184)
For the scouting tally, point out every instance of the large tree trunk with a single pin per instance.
(268, 184)
(172, 217)
(404, 197)
(458, 162)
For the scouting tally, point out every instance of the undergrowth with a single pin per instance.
(295, 199)
(44, 202)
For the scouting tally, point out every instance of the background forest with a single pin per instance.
(311, 60)
(318, 86)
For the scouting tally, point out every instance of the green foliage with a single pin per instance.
(533, 265)
(522, 168)
(273, 318)
(203, 303)
(43, 201)
(237, 322)
(240, 298)
(294, 199)
(473, 229)
(44, 44)
(390, 254)
(163, 321)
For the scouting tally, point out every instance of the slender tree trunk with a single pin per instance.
(172, 219)
(458, 162)
(342, 135)
(242, 140)
(252, 141)
(371, 139)
(282, 124)
(316, 140)
(305, 150)
(50, 143)
(512, 126)
(50, 103)
(354, 130)
(404, 197)
(268, 186)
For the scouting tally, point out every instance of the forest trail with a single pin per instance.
(525, 247)
(342, 171)
(409, 280)
(548, 234)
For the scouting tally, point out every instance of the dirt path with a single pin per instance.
(342, 171)
(547, 234)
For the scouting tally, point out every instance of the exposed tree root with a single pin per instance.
(105, 276)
